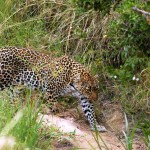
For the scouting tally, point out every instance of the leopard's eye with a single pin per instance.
(87, 88)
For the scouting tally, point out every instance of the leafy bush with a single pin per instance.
(97, 5)
(129, 41)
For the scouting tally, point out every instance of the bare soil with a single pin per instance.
(70, 122)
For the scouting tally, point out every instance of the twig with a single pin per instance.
(143, 12)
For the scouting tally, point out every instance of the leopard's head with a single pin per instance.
(88, 85)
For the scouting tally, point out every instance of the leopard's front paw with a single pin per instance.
(99, 128)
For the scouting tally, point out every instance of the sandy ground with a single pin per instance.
(84, 138)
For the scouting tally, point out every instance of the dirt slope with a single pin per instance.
(85, 139)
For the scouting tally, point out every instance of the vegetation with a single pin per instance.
(111, 39)
(20, 121)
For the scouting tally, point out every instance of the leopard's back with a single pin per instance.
(25, 55)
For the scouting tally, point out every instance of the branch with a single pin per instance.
(143, 12)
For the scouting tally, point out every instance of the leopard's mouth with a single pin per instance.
(93, 96)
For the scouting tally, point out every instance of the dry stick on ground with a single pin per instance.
(143, 12)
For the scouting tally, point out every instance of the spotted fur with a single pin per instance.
(54, 76)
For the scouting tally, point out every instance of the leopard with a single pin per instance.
(54, 76)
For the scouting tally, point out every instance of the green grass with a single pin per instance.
(20, 121)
